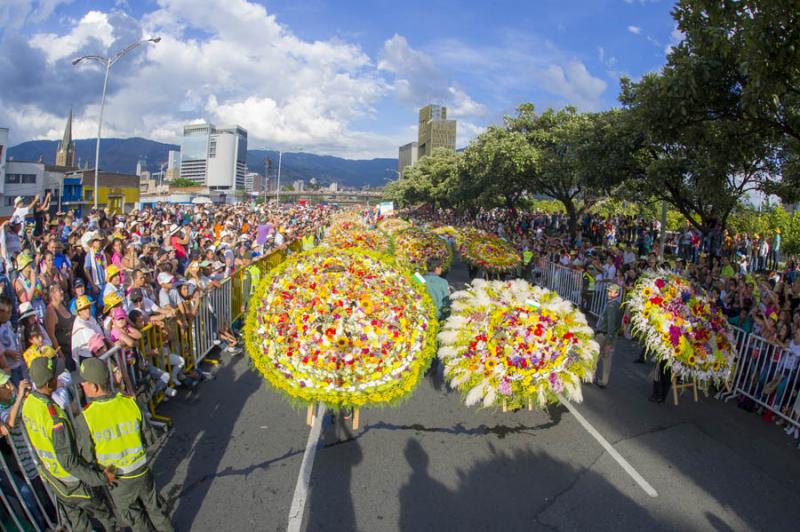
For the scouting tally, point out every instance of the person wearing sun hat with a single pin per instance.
(84, 327)
(607, 329)
(95, 263)
(114, 284)
(120, 435)
(53, 439)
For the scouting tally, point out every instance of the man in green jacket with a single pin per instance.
(607, 331)
(437, 288)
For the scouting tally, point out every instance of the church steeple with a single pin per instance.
(65, 154)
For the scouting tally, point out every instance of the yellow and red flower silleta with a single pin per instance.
(342, 326)
(487, 251)
(679, 324)
(515, 343)
(413, 247)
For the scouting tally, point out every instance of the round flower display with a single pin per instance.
(393, 225)
(446, 231)
(516, 344)
(679, 324)
(483, 250)
(346, 327)
(345, 236)
(413, 247)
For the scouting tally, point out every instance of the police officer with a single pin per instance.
(119, 435)
(53, 439)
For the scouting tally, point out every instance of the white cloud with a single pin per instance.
(575, 83)
(247, 68)
(675, 38)
(14, 13)
(93, 26)
(636, 30)
(419, 81)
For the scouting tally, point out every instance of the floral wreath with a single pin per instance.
(354, 236)
(484, 250)
(515, 343)
(343, 326)
(414, 247)
(393, 225)
(679, 324)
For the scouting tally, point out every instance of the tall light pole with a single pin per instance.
(278, 187)
(106, 62)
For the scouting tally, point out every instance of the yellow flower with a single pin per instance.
(491, 363)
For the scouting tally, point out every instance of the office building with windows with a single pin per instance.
(215, 157)
(407, 157)
(435, 130)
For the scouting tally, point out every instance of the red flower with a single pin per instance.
(660, 283)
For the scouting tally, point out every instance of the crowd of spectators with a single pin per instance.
(74, 288)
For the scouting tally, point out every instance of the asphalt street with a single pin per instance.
(232, 460)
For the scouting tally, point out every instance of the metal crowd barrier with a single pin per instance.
(763, 373)
(566, 282)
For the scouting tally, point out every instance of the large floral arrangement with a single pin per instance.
(681, 325)
(514, 343)
(393, 225)
(487, 251)
(346, 327)
(446, 231)
(345, 236)
(413, 247)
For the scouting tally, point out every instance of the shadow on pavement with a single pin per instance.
(513, 491)
(205, 439)
(330, 505)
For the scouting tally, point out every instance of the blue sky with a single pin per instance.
(341, 77)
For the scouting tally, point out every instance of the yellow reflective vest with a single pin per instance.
(115, 426)
(308, 242)
(589, 282)
(41, 418)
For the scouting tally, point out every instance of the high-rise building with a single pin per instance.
(407, 157)
(435, 130)
(253, 182)
(65, 153)
(173, 169)
(214, 157)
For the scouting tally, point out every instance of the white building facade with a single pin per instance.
(214, 157)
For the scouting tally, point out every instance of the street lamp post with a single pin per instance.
(106, 62)
(278, 184)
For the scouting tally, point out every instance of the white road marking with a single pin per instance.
(607, 446)
(304, 477)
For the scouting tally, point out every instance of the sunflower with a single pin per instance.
(342, 342)
(647, 292)
(491, 363)
(691, 360)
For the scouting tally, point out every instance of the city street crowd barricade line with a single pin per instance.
(764, 373)
(27, 502)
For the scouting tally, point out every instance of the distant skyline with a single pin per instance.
(343, 77)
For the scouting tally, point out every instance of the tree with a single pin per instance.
(564, 142)
(496, 170)
(700, 163)
(750, 51)
(182, 182)
(432, 179)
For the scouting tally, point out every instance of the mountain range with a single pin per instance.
(121, 155)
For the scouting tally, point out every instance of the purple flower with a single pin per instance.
(555, 383)
(504, 387)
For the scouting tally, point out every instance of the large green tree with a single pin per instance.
(496, 169)
(564, 142)
(432, 179)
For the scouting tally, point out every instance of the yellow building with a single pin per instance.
(119, 192)
(435, 130)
